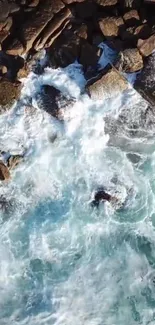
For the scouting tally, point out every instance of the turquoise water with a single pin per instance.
(61, 261)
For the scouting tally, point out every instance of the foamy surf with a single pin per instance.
(61, 261)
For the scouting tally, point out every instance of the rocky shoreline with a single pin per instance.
(70, 30)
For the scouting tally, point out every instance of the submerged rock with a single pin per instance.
(4, 172)
(100, 196)
(53, 101)
(108, 83)
(14, 160)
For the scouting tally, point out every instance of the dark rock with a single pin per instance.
(108, 83)
(147, 46)
(82, 31)
(34, 3)
(53, 101)
(110, 26)
(68, 2)
(85, 10)
(15, 47)
(134, 4)
(144, 83)
(129, 61)
(131, 18)
(9, 93)
(4, 172)
(100, 196)
(88, 55)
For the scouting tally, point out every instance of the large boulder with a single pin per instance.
(131, 18)
(33, 27)
(144, 83)
(129, 60)
(4, 172)
(53, 101)
(106, 84)
(111, 26)
(147, 46)
(9, 93)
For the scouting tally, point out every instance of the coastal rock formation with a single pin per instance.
(9, 92)
(4, 172)
(129, 61)
(106, 84)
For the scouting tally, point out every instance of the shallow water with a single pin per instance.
(62, 262)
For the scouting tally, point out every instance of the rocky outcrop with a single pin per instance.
(107, 84)
(9, 92)
(129, 61)
(4, 172)
(146, 47)
(53, 101)
(110, 26)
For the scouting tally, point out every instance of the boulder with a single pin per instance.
(9, 92)
(34, 3)
(147, 46)
(131, 18)
(129, 60)
(4, 172)
(53, 101)
(68, 2)
(101, 196)
(54, 28)
(82, 31)
(14, 47)
(144, 83)
(110, 26)
(33, 27)
(106, 84)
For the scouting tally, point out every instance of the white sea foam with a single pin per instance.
(62, 262)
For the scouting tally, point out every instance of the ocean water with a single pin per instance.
(63, 262)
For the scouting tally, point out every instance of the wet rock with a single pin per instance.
(32, 28)
(144, 83)
(147, 46)
(106, 3)
(68, 2)
(131, 18)
(9, 92)
(85, 10)
(14, 160)
(34, 3)
(65, 50)
(88, 55)
(110, 26)
(53, 101)
(53, 29)
(4, 172)
(107, 84)
(3, 69)
(6, 205)
(129, 60)
(134, 4)
(100, 196)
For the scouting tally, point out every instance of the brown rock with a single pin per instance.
(147, 46)
(129, 61)
(13, 161)
(110, 26)
(3, 69)
(145, 81)
(9, 92)
(107, 2)
(82, 31)
(107, 84)
(23, 72)
(4, 172)
(32, 28)
(3, 35)
(131, 18)
(54, 25)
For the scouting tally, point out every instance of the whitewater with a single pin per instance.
(62, 261)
